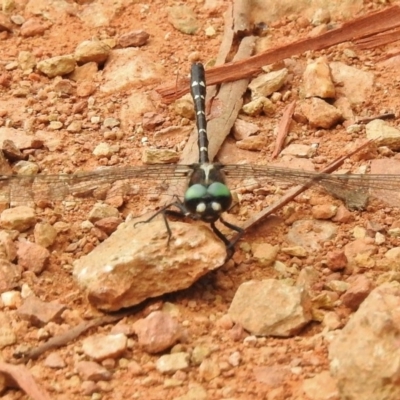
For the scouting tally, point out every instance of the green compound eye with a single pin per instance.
(196, 191)
(218, 189)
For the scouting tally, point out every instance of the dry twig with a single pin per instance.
(20, 375)
(380, 116)
(378, 40)
(291, 194)
(283, 128)
(67, 337)
(363, 27)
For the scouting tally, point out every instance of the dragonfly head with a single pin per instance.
(208, 202)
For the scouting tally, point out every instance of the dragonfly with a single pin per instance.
(209, 185)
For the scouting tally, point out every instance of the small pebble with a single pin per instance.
(100, 347)
(11, 299)
(170, 363)
(55, 361)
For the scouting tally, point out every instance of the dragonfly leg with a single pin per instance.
(230, 246)
(165, 211)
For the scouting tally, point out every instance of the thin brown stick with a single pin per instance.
(20, 375)
(378, 40)
(380, 116)
(67, 337)
(291, 194)
(241, 12)
(224, 50)
(283, 128)
(365, 26)
(227, 38)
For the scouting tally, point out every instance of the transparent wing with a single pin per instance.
(157, 179)
(265, 173)
(169, 179)
(348, 187)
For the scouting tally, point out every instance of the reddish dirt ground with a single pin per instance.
(202, 305)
